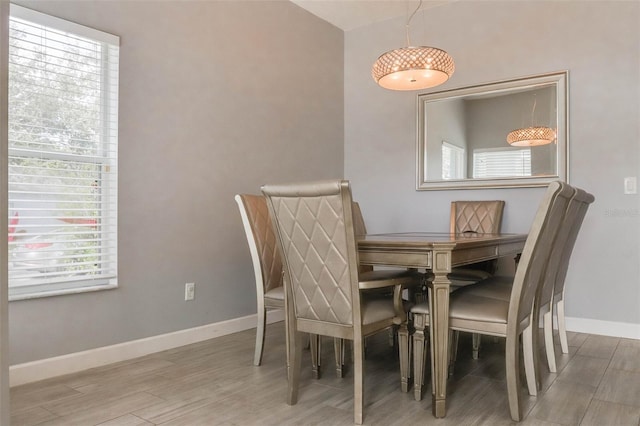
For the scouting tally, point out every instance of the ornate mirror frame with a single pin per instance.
(527, 86)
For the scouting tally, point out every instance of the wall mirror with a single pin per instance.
(462, 134)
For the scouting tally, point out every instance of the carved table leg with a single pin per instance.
(439, 329)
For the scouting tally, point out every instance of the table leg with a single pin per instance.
(439, 331)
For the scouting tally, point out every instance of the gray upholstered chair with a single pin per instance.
(485, 309)
(314, 224)
(267, 266)
(480, 217)
(552, 293)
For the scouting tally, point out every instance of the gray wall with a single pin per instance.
(491, 41)
(216, 98)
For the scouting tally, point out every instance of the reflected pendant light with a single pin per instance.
(531, 136)
(413, 68)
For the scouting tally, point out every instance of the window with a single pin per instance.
(498, 162)
(63, 116)
(452, 161)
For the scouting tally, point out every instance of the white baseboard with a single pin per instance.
(52, 367)
(65, 364)
(604, 328)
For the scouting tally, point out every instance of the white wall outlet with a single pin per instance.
(189, 291)
(630, 185)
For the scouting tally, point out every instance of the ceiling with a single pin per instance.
(350, 14)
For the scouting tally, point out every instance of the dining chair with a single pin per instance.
(484, 309)
(552, 286)
(267, 265)
(267, 268)
(551, 297)
(323, 286)
(478, 217)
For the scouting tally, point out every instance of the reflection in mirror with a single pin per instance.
(462, 134)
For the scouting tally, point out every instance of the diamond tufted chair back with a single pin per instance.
(483, 217)
(315, 225)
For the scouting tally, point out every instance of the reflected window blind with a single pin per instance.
(63, 116)
(491, 163)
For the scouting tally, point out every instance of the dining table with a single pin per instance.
(437, 253)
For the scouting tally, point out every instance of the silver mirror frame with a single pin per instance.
(561, 80)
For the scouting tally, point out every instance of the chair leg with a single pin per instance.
(547, 320)
(513, 377)
(307, 342)
(475, 339)
(338, 350)
(391, 337)
(404, 355)
(529, 360)
(262, 321)
(562, 328)
(294, 369)
(419, 344)
(454, 336)
(314, 341)
(358, 380)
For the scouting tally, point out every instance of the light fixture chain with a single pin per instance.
(409, 22)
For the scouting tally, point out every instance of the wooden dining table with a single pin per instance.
(438, 253)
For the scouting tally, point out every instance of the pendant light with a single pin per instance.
(413, 68)
(531, 136)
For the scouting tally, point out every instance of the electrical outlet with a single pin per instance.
(189, 291)
(630, 185)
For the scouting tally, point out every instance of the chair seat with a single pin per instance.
(421, 308)
(490, 304)
(376, 309)
(389, 278)
(468, 274)
(468, 306)
(275, 294)
(498, 287)
(376, 285)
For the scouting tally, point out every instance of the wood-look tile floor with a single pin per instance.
(215, 383)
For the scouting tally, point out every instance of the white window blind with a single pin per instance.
(490, 163)
(452, 161)
(63, 116)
